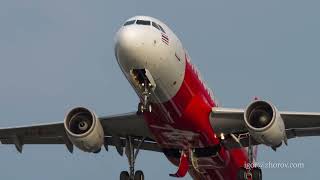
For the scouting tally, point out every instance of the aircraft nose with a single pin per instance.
(126, 39)
(129, 46)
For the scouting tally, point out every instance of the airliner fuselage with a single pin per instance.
(155, 63)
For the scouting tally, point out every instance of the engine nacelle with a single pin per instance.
(264, 123)
(84, 129)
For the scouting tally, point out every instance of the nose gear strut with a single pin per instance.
(144, 81)
(145, 105)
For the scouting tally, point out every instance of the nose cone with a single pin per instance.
(129, 47)
(127, 39)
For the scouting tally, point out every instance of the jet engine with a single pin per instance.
(264, 123)
(84, 129)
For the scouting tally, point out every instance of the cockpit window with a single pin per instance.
(129, 22)
(161, 28)
(143, 22)
(155, 25)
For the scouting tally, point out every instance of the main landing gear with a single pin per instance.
(132, 155)
(250, 172)
(137, 176)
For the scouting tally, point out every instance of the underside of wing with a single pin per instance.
(101, 131)
(263, 123)
(300, 124)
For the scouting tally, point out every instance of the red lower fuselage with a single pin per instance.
(191, 128)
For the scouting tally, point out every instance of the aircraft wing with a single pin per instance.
(116, 129)
(231, 123)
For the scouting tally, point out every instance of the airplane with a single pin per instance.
(177, 115)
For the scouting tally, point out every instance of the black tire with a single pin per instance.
(124, 175)
(256, 174)
(140, 109)
(97, 151)
(242, 174)
(139, 175)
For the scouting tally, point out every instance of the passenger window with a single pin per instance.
(129, 22)
(142, 22)
(161, 28)
(155, 25)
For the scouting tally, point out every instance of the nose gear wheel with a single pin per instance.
(145, 105)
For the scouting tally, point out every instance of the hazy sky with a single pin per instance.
(55, 55)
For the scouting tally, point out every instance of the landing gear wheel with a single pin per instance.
(256, 174)
(140, 109)
(97, 151)
(124, 175)
(139, 175)
(242, 174)
(144, 108)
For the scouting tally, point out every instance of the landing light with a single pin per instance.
(222, 136)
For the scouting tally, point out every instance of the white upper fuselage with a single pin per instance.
(141, 45)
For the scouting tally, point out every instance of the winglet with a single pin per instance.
(183, 166)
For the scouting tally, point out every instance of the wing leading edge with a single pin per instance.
(228, 121)
(116, 129)
(231, 123)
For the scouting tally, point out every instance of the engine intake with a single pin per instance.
(264, 123)
(84, 129)
(259, 114)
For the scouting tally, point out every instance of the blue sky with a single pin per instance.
(55, 55)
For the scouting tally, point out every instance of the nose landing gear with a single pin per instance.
(145, 105)
(144, 82)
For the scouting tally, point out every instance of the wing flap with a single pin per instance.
(125, 124)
